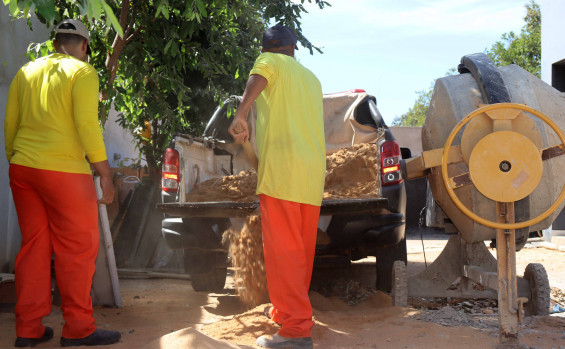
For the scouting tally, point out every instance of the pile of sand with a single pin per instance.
(243, 329)
(350, 173)
(238, 188)
(246, 254)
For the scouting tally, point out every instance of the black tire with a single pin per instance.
(207, 269)
(212, 281)
(539, 302)
(386, 256)
(399, 284)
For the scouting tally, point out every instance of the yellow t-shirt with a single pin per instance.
(290, 131)
(52, 116)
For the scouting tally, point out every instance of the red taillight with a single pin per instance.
(170, 171)
(390, 163)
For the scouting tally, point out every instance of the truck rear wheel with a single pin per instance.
(212, 281)
(207, 269)
(386, 256)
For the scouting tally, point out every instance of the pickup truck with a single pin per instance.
(357, 227)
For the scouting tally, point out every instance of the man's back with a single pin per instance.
(290, 131)
(51, 117)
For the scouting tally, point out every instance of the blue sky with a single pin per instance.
(393, 49)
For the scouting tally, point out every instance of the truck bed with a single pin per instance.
(232, 209)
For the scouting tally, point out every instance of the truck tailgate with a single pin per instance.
(243, 209)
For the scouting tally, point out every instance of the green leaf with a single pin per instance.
(167, 46)
(13, 7)
(95, 8)
(47, 9)
(112, 20)
(201, 8)
(174, 48)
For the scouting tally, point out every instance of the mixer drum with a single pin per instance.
(456, 96)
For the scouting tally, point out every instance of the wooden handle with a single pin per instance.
(248, 148)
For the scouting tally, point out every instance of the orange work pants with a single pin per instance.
(289, 245)
(57, 213)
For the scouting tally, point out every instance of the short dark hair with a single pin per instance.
(69, 39)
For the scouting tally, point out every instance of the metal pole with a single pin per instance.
(508, 308)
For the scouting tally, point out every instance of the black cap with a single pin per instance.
(278, 36)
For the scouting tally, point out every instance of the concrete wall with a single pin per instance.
(120, 145)
(409, 137)
(552, 29)
(15, 37)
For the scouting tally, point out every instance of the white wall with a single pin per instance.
(552, 30)
(120, 144)
(14, 39)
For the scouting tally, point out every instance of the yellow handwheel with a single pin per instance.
(454, 197)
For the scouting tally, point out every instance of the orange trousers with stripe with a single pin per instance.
(289, 245)
(58, 214)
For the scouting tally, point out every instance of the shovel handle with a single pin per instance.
(248, 148)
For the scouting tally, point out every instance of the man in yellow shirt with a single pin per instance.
(51, 135)
(291, 173)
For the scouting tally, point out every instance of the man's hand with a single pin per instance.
(238, 129)
(107, 185)
(106, 182)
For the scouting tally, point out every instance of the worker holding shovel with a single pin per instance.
(51, 125)
(291, 171)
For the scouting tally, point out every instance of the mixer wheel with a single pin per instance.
(538, 304)
(399, 284)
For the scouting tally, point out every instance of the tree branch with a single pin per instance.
(132, 36)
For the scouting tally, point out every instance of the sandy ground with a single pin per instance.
(167, 313)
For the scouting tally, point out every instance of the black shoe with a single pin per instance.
(98, 337)
(31, 342)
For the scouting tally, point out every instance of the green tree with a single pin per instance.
(523, 49)
(417, 114)
(176, 59)
(46, 11)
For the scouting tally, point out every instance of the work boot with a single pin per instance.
(278, 341)
(31, 342)
(98, 337)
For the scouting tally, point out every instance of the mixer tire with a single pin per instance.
(399, 284)
(538, 304)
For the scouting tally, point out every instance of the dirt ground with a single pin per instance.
(167, 313)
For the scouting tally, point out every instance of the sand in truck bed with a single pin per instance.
(350, 173)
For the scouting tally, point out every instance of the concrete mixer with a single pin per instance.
(492, 142)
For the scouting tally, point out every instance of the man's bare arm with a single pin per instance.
(238, 128)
